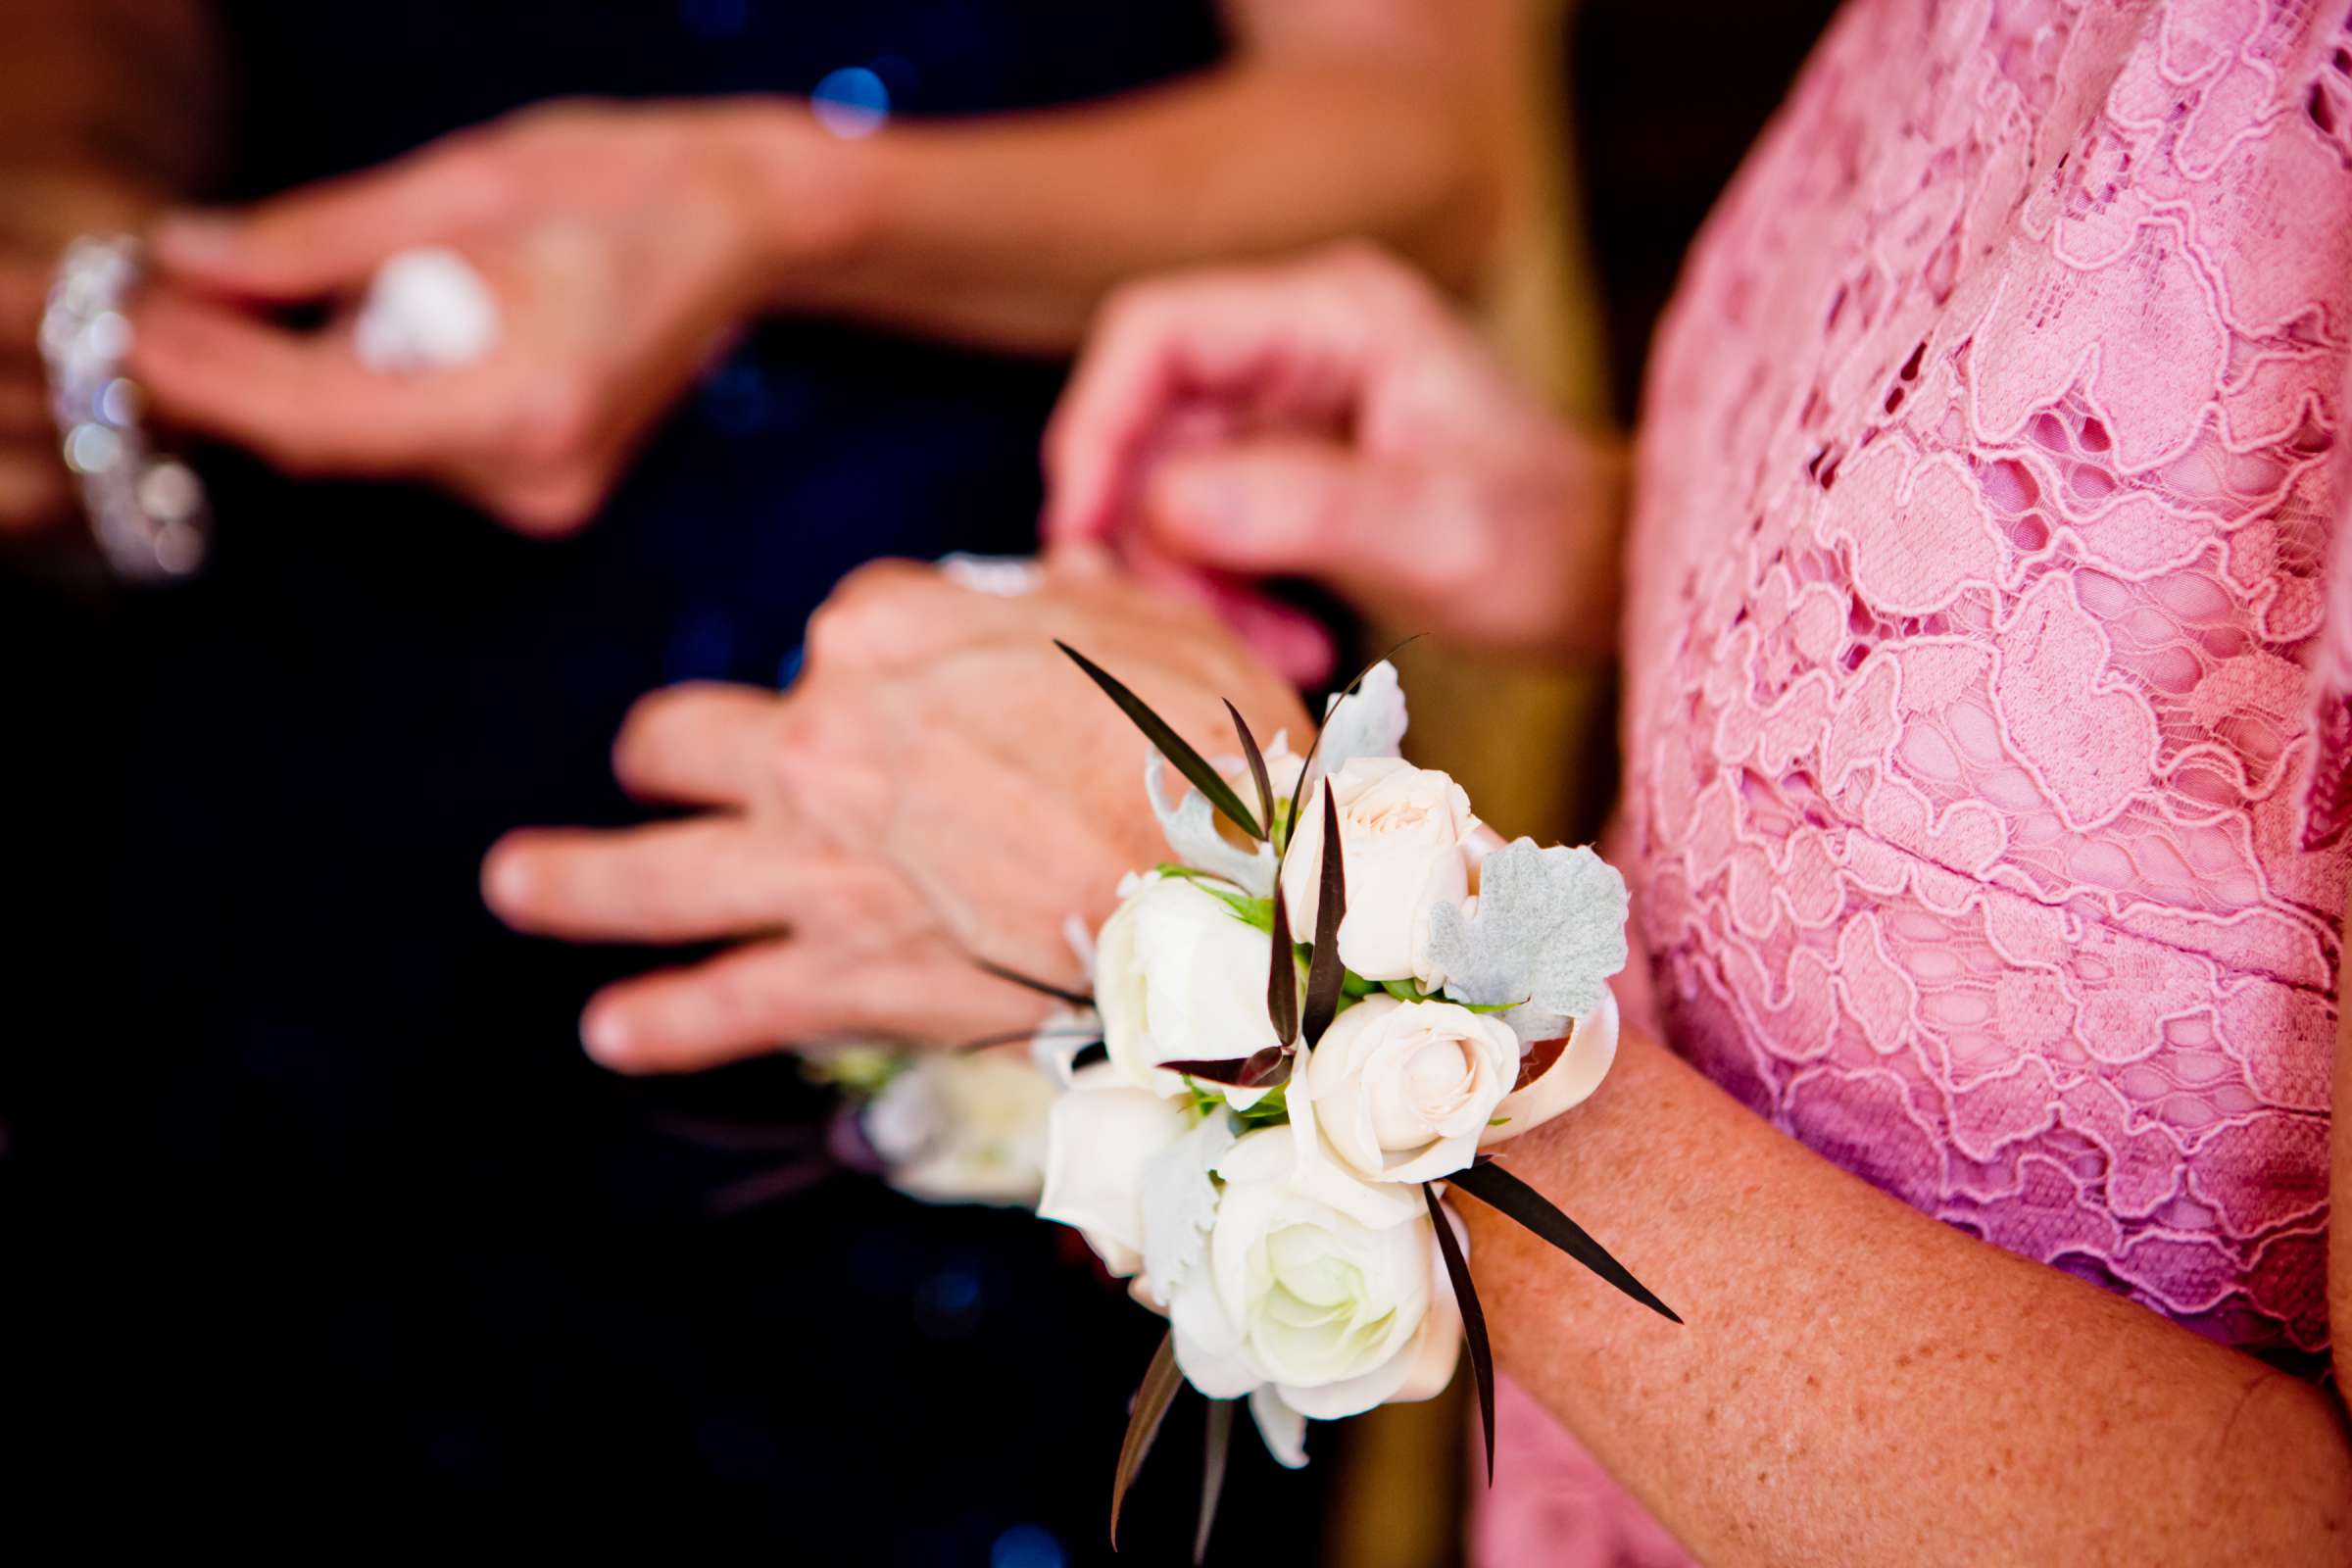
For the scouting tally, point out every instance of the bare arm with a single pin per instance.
(1388, 119)
(1859, 1384)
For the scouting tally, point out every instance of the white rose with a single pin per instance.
(959, 1128)
(1335, 1316)
(1180, 977)
(1404, 833)
(1403, 1091)
(1099, 1135)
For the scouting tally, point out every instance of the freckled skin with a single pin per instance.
(1858, 1384)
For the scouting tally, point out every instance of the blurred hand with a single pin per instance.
(1334, 419)
(625, 245)
(940, 784)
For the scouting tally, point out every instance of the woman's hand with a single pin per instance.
(623, 243)
(940, 785)
(1334, 419)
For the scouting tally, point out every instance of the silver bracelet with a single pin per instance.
(147, 509)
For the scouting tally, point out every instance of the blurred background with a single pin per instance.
(324, 1229)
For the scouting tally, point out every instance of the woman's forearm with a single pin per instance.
(1857, 1383)
(1008, 231)
(102, 97)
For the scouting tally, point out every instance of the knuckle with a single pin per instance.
(865, 610)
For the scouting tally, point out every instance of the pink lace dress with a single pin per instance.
(1985, 815)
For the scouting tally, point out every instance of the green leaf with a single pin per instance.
(1474, 1318)
(1499, 1190)
(1172, 746)
(1157, 1391)
(1272, 1108)
(1325, 973)
(1247, 907)
(1405, 990)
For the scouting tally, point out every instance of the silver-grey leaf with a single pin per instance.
(1548, 928)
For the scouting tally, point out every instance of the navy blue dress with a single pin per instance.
(384, 1256)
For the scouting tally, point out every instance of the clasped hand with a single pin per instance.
(941, 784)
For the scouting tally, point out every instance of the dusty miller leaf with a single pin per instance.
(1180, 1202)
(1369, 721)
(1548, 928)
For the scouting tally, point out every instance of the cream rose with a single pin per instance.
(1179, 978)
(957, 1128)
(1100, 1136)
(1403, 1091)
(1404, 833)
(1335, 1316)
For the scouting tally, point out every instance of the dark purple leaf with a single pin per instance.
(1253, 1071)
(1044, 988)
(1324, 971)
(1152, 1397)
(1172, 746)
(1499, 1189)
(1282, 975)
(1212, 1474)
(1258, 764)
(1010, 1037)
(1291, 830)
(1474, 1319)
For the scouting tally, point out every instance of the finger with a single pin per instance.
(300, 401)
(690, 881)
(327, 238)
(1281, 508)
(705, 743)
(1227, 334)
(762, 997)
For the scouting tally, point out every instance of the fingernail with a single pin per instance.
(196, 238)
(606, 1034)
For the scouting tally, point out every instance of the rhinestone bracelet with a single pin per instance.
(147, 509)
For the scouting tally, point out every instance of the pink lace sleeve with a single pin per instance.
(1986, 495)
(2328, 794)
(1989, 692)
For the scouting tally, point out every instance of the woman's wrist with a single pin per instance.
(816, 202)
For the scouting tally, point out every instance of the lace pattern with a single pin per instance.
(1984, 814)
